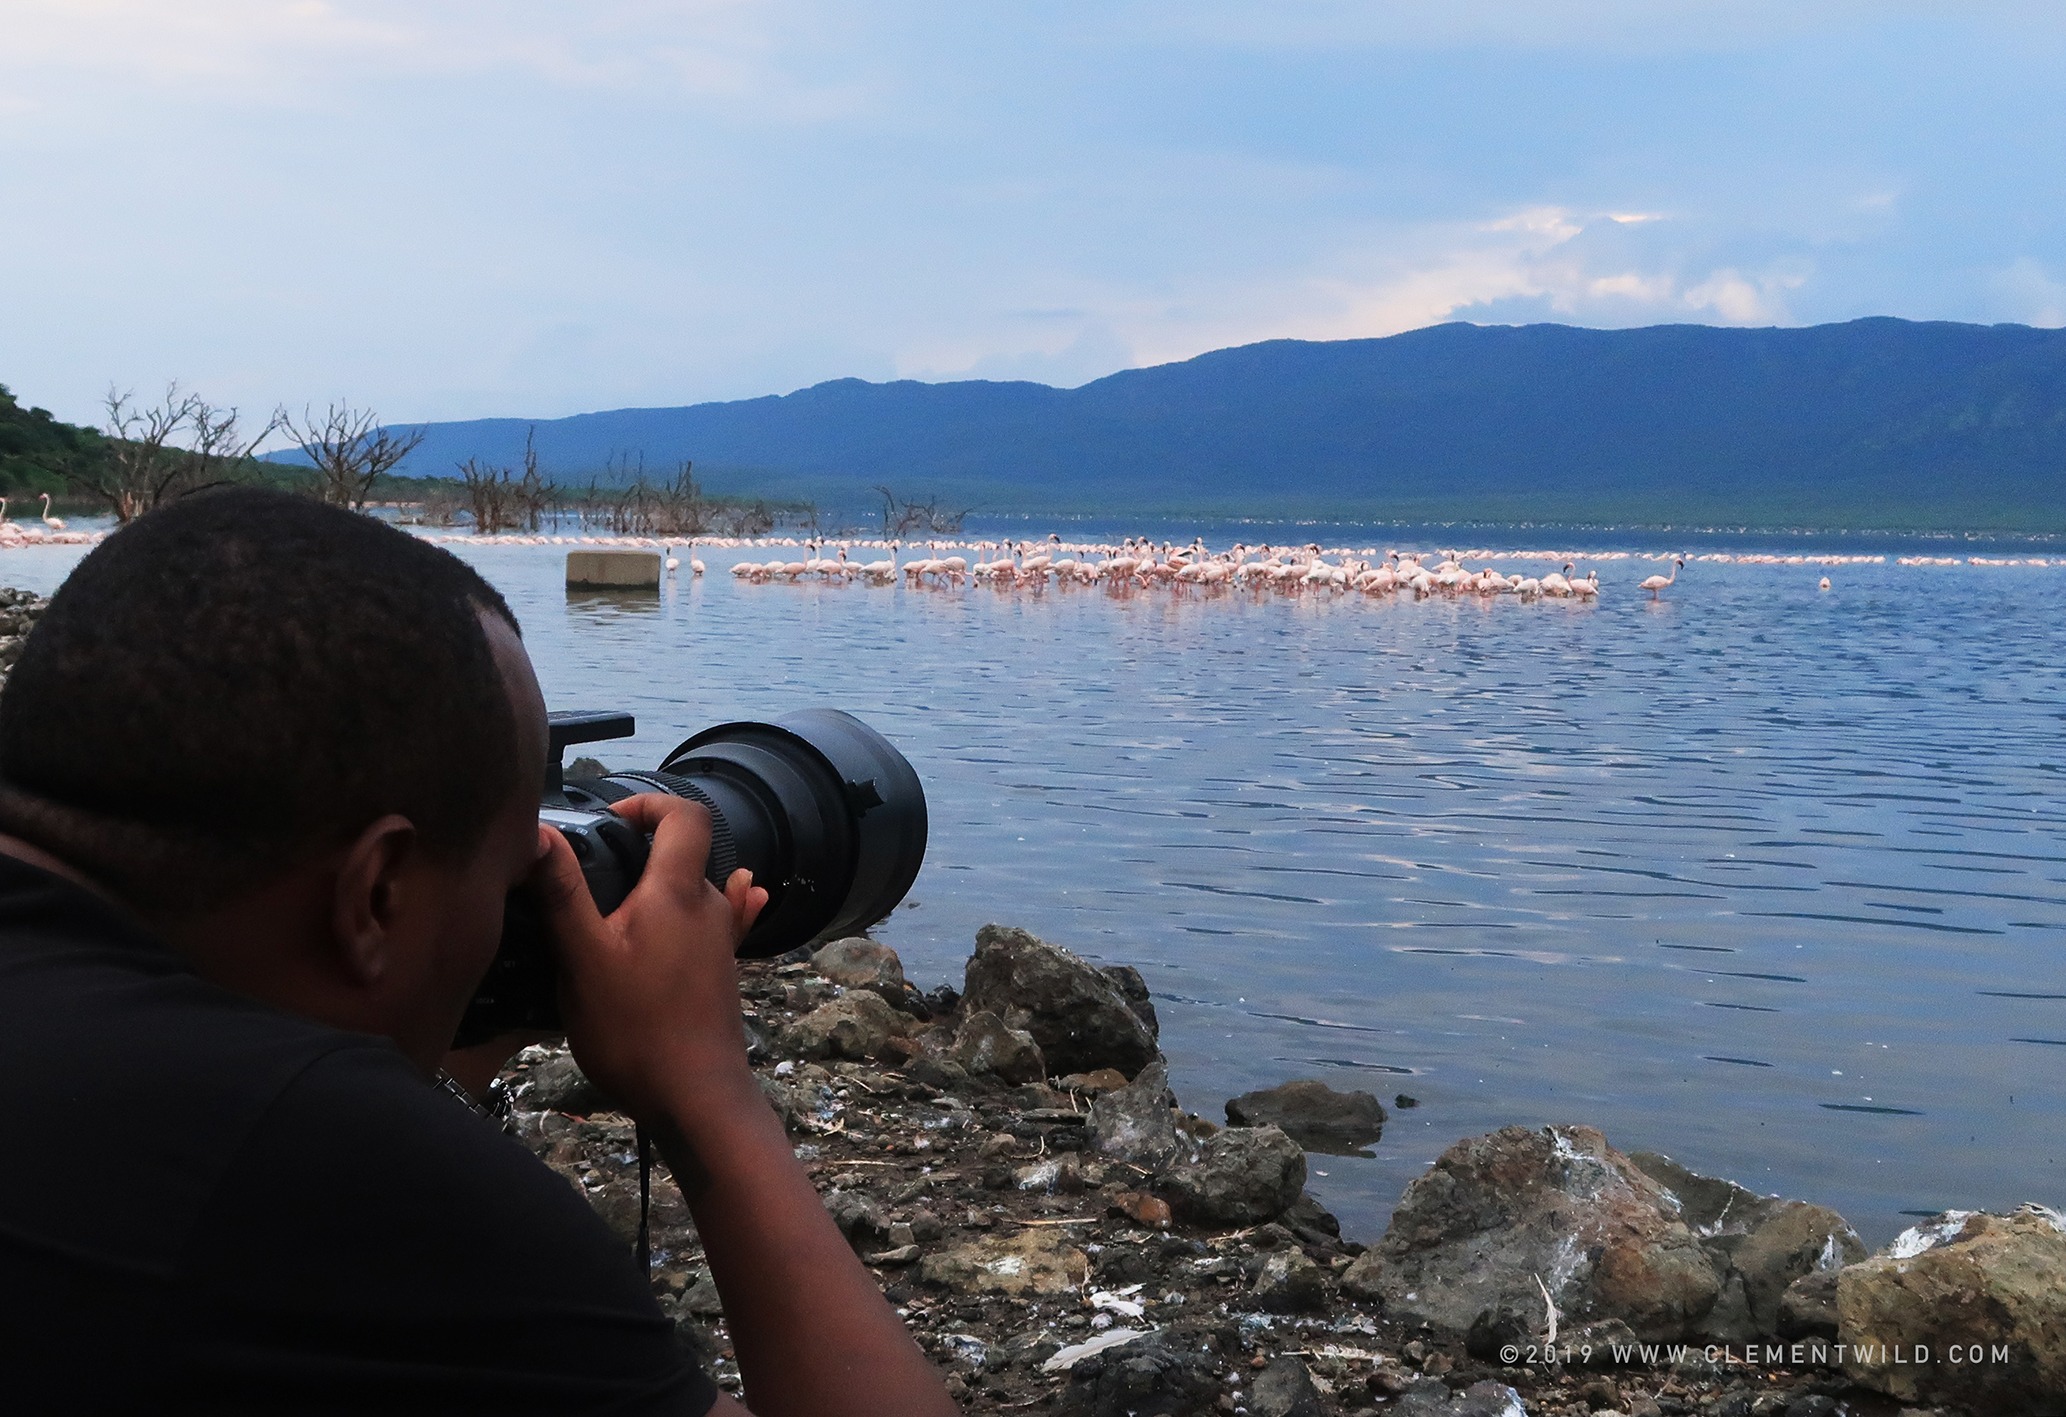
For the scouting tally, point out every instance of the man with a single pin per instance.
(267, 772)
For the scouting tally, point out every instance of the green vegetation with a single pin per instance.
(35, 448)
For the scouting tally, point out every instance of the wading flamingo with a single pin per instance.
(1654, 584)
(54, 523)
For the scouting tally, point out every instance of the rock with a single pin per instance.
(1796, 1241)
(1058, 1175)
(1314, 1115)
(1150, 1377)
(940, 1074)
(1498, 1214)
(1284, 1389)
(1312, 1223)
(855, 1025)
(1488, 1399)
(1081, 1019)
(557, 1084)
(1758, 1245)
(1966, 1286)
(1151, 1211)
(1102, 1081)
(858, 962)
(1136, 1123)
(617, 1204)
(1290, 1284)
(1599, 1393)
(701, 1299)
(1239, 1177)
(1808, 1307)
(859, 1219)
(1032, 1261)
(1364, 1278)
(1424, 1397)
(984, 1043)
(1134, 990)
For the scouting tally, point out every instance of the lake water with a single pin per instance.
(1770, 879)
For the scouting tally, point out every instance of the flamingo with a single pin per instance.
(673, 562)
(1654, 584)
(696, 568)
(881, 572)
(54, 523)
(1555, 584)
(3, 512)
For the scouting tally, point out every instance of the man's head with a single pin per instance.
(304, 744)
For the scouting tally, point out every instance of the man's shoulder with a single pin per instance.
(374, 1236)
(128, 1079)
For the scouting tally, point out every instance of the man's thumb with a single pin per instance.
(560, 889)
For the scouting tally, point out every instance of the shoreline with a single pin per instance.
(1075, 1242)
(12, 538)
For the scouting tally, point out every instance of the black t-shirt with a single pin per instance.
(207, 1205)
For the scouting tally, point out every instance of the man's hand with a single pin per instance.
(650, 994)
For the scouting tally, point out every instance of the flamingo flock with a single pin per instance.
(1139, 563)
(51, 533)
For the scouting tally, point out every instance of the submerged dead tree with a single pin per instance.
(350, 451)
(504, 500)
(157, 453)
(901, 516)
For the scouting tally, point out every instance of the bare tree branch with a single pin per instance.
(160, 452)
(350, 450)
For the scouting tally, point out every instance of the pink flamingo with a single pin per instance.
(1654, 584)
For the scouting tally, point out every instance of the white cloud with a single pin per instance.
(2027, 292)
(1537, 263)
(753, 55)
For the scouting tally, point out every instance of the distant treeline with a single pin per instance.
(34, 447)
(150, 453)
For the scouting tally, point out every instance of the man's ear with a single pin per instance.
(370, 896)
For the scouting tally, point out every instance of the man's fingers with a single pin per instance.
(558, 886)
(746, 900)
(681, 835)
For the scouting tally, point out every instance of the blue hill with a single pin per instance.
(1874, 423)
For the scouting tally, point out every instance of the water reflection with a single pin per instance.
(1769, 880)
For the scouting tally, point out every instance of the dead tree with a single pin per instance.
(161, 452)
(492, 495)
(350, 450)
(902, 516)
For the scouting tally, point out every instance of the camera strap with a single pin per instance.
(645, 1202)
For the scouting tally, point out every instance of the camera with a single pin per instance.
(825, 812)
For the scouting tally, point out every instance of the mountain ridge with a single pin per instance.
(1874, 422)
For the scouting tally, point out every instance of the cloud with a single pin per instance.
(2027, 292)
(1534, 263)
(756, 57)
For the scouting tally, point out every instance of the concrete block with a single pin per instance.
(613, 570)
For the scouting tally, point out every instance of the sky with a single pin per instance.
(521, 208)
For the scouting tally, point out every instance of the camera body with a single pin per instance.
(826, 813)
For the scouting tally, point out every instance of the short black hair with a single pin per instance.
(243, 678)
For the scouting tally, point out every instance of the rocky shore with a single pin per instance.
(1008, 1159)
(19, 611)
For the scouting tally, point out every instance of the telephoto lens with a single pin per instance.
(824, 811)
